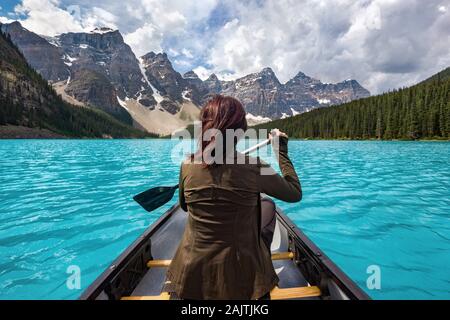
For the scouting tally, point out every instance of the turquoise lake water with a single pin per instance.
(69, 202)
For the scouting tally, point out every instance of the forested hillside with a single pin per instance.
(26, 99)
(418, 112)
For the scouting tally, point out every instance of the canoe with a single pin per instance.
(305, 272)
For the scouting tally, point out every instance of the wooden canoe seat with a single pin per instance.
(275, 294)
(158, 263)
(294, 293)
(282, 256)
(166, 263)
(162, 296)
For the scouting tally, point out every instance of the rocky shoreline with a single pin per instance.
(20, 132)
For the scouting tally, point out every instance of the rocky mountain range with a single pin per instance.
(99, 69)
(30, 108)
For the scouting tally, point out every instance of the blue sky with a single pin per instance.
(383, 44)
(8, 5)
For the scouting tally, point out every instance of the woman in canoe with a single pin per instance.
(225, 249)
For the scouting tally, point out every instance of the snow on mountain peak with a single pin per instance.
(102, 30)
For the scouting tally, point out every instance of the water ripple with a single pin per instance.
(70, 202)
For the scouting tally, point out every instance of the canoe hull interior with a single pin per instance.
(130, 275)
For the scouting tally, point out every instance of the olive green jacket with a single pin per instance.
(221, 254)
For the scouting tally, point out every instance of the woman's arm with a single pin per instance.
(181, 198)
(286, 187)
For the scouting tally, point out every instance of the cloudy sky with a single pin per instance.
(383, 44)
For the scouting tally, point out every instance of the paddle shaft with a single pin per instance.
(156, 197)
(256, 147)
(252, 149)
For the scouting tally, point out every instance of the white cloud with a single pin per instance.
(144, 39)
(5, 20)
(184, 63)
(381, 43)
(145, 24)
(99, 17)
(173, 52)
(226, 76)
(172, 17)
(187, 53)
(171, 20)
(45, 17)
(202, 72)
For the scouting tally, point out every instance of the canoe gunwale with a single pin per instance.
(102, 281)
(301, 244)
(321, 261)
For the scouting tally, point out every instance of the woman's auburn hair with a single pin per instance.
(220, 113)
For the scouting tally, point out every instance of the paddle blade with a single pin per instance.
(155, 197)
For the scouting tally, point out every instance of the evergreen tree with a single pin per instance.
(30, 101)
(379, 129)
(421, 111)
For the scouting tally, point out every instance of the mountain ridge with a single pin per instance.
(421, 111)
(149, 86)
(31, 108)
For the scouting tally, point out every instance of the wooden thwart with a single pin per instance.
(166, 263)
(275, 294)
(158, 263)
(294, 293)
(282, 255)
(162, 296)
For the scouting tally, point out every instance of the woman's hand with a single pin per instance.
(279, 141)
(277, 133)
